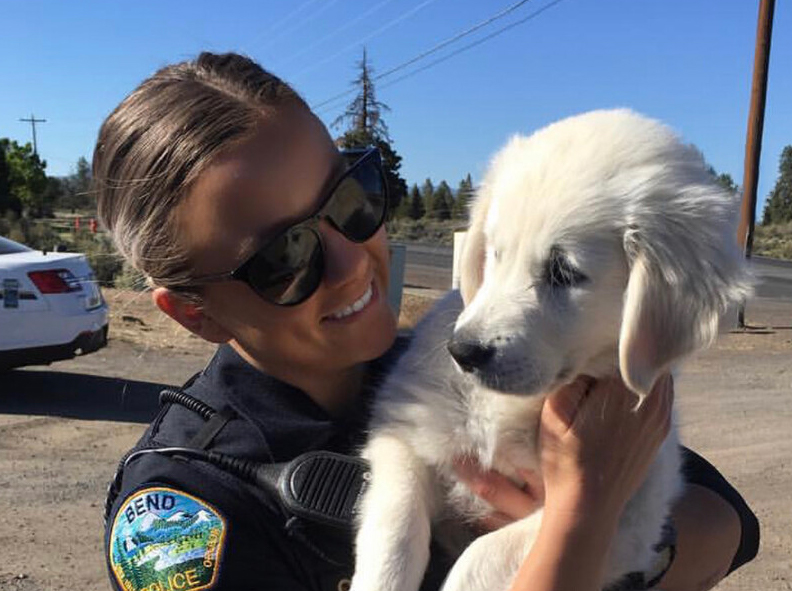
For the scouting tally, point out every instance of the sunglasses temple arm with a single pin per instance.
(218, 278)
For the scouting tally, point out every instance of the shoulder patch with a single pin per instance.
(166, 540)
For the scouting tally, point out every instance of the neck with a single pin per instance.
(335, 391)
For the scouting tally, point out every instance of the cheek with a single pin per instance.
(379, 250)
(240, 311)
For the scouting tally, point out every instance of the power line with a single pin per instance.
(335, 32)
(285, 19)
(375, 33)
(434, 49)
(446, 57)
(456, 37)
(326, 5)
(474, 44)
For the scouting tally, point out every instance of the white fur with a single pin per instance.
(633, 209)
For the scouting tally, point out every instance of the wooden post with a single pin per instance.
(33, 122)
(753, 142)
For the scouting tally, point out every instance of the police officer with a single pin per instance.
(220, 185)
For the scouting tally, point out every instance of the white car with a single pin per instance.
(51, 307)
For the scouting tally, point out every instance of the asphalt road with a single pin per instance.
(430, 267)
(774, 278)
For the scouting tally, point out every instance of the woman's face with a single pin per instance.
(257, 188)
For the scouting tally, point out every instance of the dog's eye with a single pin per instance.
(560, 273)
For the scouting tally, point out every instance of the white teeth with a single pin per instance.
(355, 306)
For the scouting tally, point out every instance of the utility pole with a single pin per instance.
(753, 141)
(33, 122)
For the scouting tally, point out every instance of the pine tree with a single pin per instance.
(364, 113)
(403, 211)
(427, 195)
(462, 200)
(5, 183)
(442, 202)
(726, 181)
(365, 127)
(417, 209)
(778, 208)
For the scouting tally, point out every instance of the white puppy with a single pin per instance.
(597, 244)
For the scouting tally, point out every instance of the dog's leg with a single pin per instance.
(491, 562)
(392, 544)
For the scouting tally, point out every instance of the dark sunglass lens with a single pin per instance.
(289, 269)
(357, 206)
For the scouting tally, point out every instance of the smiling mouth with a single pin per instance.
(355, 306)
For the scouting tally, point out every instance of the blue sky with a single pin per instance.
(686, 62)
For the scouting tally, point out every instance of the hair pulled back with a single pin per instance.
(159, 140)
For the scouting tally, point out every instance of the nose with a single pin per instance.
(345, 261)
(470, 354)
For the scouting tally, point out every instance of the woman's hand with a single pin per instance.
(595, 448)
(596, 445)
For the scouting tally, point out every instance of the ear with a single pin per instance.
(471, 273)
(653, 333)
(190, 315)
(673, 302)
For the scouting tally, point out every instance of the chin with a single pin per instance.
(365, 335)
(373, 338)
(379, 336)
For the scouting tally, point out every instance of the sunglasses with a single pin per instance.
(288, 268)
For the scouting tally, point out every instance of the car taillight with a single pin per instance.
(55, 281)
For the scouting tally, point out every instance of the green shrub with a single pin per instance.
(131, 278)
(423, 230)
(101, 254)
(32, 233)
(109, 267)
(773, 240)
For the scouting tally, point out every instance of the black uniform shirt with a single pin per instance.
(180, 524)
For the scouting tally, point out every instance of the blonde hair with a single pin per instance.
(159, 140)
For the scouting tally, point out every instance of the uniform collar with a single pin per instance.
(290, 421)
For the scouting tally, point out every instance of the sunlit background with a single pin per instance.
(687, 62)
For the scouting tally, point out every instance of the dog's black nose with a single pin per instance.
(470, 354)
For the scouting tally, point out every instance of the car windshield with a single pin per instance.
(10, 247)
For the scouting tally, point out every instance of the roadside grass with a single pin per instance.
(774, 241)
(426, 231)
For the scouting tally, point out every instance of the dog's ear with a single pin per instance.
(684, 274)
(471, 262)
(654, 329)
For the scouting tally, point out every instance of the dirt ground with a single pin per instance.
(64, 427)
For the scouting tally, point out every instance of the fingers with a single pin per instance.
(614, 394)
(613, 402)
(584, 427)
(610, 440)
(534, 485)
(562, 406)
(509, 500)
